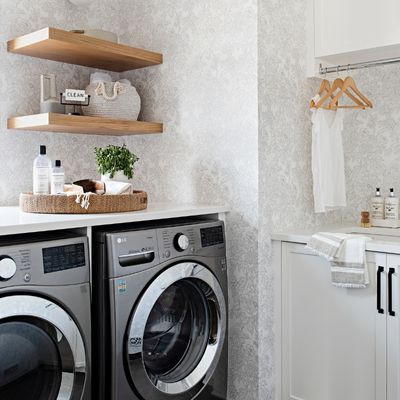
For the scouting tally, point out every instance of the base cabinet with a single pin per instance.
(336, 344)
(393, 327)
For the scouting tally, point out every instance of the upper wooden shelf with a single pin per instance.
(74, 48)
(51, 122)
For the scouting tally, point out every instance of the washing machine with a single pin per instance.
(160, 312)
(45, 332)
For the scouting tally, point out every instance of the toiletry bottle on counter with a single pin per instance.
(365, 219)
(41, 172)
(377, 206)
(391, 206)
(57, 178)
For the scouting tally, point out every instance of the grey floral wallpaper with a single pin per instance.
(285, 181)
(19, 93)
(370, 138)
(234, 98)
(205, 93)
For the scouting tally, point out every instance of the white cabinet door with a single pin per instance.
(333, 342)
(393, 327)
(343, 26)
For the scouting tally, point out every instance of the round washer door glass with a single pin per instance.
(40, 345)
(177, 331)
(30, 366)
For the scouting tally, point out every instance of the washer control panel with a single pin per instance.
(212, 236)
(47, 263)
(181, 242)
(202, 239)
(8, 268)
(136, 250)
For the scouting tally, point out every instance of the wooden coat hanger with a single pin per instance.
(361, 102)
(350, 84)
(337, 84)
(324, 90)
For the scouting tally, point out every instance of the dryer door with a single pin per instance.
(39, 346)
(176, 333)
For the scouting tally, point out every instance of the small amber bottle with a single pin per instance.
(365, 219)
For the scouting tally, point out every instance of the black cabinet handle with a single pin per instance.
(378, 294)
(392, 271)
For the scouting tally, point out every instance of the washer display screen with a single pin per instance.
(61, 258)
(212, 236)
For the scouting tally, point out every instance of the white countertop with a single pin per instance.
(384, 240)
(13, 221)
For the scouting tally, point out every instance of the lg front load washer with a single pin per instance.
(44, 318)
(160, 315)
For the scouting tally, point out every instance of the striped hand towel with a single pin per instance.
(346, 255)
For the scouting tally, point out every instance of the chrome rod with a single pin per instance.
(350, 67)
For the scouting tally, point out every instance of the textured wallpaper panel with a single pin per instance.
(285, 180)
(370, 138)
(19, 93)
(205, 93)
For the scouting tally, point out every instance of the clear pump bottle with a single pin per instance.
(378, 206)
(392, 206)
(57, 178)
(41, 172)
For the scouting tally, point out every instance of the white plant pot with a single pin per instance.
(118, 177)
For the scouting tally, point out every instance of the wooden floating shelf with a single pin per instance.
(51, 122)
(74, 48)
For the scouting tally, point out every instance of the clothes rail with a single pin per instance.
(350, 67)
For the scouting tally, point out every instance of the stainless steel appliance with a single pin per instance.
(160, 312)
(44, 317)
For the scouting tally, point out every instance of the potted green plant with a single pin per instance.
(115, 163)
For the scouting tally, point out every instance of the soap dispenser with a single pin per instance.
(41, 172)
(378, 206)
(57, 180)
(391, 206)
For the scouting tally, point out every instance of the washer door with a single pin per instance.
(40, 346)
(176, 333)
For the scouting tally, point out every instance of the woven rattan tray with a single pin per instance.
(60, 204)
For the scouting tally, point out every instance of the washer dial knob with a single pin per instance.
(181, 242)
(8, 268)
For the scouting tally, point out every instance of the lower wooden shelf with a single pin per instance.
(51, 122)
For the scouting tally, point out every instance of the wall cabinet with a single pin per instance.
(339, 344)
(354, 31)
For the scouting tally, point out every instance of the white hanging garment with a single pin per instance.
(329, 183)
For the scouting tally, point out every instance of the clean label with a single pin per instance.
(75, 95)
